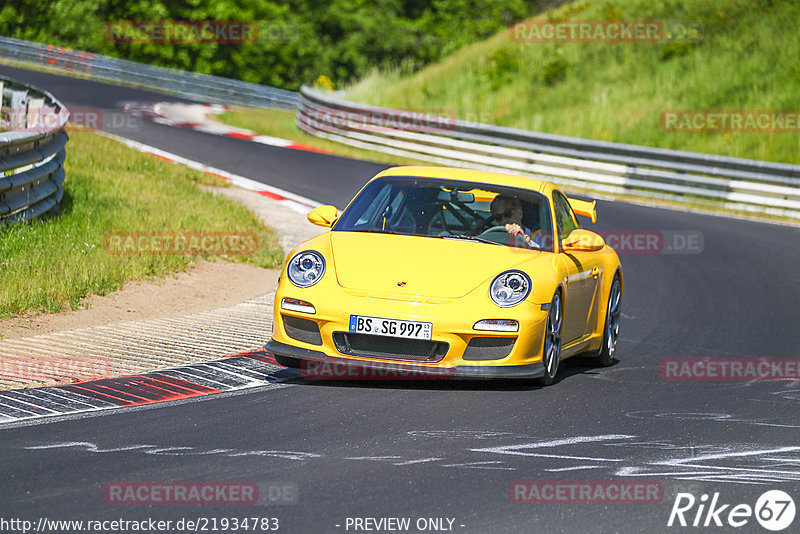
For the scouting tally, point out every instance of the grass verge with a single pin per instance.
(744, 58)
(50, 264)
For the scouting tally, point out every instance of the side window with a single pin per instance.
(565, 219)
(371, 211)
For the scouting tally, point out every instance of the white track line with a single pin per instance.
(295, 202)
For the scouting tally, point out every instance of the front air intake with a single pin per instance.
(390, 348)
(302, 329)
(488, 348)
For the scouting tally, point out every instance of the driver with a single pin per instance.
(508, 211)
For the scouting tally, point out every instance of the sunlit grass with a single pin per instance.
(50, 264)
(745, 60)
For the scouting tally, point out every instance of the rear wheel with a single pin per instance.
(552, 342)
(606, 353)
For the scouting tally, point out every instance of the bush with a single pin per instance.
(554, 70)
(298, 40)
(503, 64)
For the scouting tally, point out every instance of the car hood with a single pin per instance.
(441, 268)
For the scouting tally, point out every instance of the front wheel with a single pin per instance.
(605, 355)
(552, 342)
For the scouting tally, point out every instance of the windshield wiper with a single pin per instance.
(469, 238)
(377, 231)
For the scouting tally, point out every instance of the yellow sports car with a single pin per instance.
(449, 272)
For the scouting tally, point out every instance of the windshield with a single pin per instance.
(450, 209)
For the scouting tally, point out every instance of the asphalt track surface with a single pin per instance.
(451, 449)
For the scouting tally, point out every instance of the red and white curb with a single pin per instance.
(243, 371)
(194, 116)
(295, 202)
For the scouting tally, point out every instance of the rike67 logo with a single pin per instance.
(774, 510)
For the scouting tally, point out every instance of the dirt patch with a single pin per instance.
(205, 286)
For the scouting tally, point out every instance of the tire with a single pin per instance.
(551, 351)
(606, 353)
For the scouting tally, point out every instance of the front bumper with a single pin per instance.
(316, 364)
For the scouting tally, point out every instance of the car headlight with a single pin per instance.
(306, 268)
(510, 288)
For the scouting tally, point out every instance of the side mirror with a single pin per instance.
(581, 240)
(323, 216)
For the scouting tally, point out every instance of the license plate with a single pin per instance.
(380, 326)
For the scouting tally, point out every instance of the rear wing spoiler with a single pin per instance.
(581, 207)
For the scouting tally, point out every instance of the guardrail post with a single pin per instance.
(35, 106)
(17, 109)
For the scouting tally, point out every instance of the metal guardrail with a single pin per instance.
(741, 184)
(32, 152)
(213, 89)
(750, 185)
